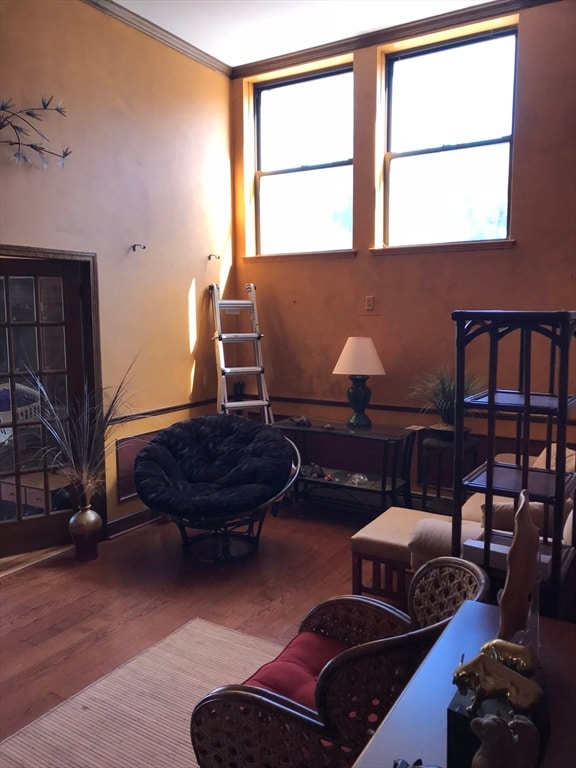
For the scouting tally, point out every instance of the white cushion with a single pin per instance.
(503, 513)
(567, 532)
(387, 536)
(433, 538)
(472, 509)
(540, 462)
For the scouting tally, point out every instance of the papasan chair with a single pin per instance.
(216, 476)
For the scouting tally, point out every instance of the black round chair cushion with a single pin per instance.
(213, 466)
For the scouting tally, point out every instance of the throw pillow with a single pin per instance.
(503, 515)
(540, 462)
(567, 532)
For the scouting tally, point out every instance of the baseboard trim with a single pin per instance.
(131, 522)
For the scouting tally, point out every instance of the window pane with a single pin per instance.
(54, 348)
(306, 123)
(27, 403)
(29, 442)
(8, 508)
(449, 196)
(51, 300)
(6, 432)
(454, 96)
(23, 308)
(2, 301)
(3, 350)
(25, 348)
(306, 211)
(57, 389)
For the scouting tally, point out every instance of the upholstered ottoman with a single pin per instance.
(387, 551)
(380, 553)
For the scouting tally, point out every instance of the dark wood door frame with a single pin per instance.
(86, 264)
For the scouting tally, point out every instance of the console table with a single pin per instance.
(396, 444)
(416, 726)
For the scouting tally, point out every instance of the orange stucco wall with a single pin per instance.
(151, 163)
(309, 306)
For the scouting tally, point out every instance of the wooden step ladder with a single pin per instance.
(236, 342)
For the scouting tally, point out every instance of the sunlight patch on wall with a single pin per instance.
(192, 328)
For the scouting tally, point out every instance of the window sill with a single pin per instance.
(472, 245)
(347, 254)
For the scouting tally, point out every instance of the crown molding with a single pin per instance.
(407, 31)
(156, 32)
(418, 28)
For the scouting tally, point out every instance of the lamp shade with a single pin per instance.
(359, 358)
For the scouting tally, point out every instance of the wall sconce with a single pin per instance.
(359, 360)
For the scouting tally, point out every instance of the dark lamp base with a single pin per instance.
(359, 398)
(359, 421)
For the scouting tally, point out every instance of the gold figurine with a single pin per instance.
(489, 679)
(518, 657)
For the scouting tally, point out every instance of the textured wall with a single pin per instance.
(311, 304)
(149, 133)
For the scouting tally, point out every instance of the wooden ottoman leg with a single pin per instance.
(356, 573)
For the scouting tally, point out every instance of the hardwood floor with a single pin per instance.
(64, 624)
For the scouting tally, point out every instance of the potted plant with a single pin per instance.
(437, 390)
(78, 434)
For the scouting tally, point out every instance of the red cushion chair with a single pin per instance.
(295, 671)
(319, 702)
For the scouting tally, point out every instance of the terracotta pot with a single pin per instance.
(85, 526)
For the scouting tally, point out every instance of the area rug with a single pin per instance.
(138, 716)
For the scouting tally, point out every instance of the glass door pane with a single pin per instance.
(41, 331)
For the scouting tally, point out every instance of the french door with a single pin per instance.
(45, 328)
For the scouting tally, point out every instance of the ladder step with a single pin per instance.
(233, 335)
(246, 370)
(228, 304)
(239, 337)
(238, 404)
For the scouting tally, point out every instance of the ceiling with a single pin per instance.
(239, 32)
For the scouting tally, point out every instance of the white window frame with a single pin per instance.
(260, 173)
(390, 59)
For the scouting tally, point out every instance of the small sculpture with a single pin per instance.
(505, 745)
(489, 679)
(301, 421)
(521, 573)
(518, 657)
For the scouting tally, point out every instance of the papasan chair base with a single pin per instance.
(223, 541)
(216, 477)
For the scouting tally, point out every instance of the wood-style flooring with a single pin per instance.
(64, 624)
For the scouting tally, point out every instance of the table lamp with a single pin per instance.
(359, 360)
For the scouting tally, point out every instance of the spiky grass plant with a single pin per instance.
(79, 434)
(437, 390)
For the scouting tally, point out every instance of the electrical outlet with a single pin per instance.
(369, 304)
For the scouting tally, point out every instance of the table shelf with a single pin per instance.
(507, 480)
(514, 401)
(396, 446)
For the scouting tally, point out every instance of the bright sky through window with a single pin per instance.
(305, 162)
(450, 134)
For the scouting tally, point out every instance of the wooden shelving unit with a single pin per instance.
(551, 485)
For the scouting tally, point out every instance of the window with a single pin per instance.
(450, 113)
(304, 164)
